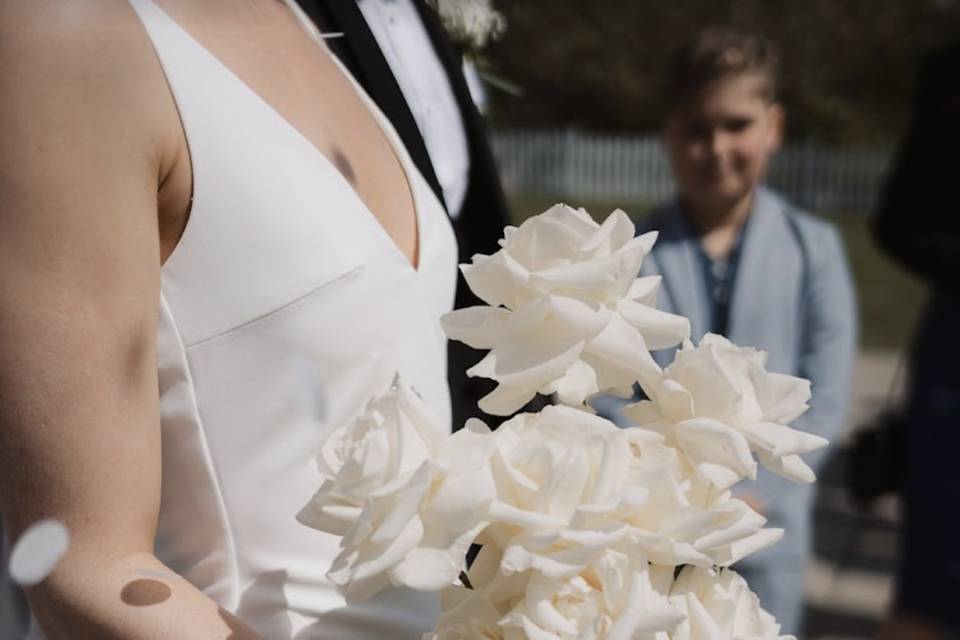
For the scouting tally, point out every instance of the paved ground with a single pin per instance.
(849, 581)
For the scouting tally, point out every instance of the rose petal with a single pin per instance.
(575, 386)
(598, 280)
(617, 231)
(748, 546)
(778, 440)
(643, 413)
(619, 354)
(713, 446)
(436, 561)
(644, 290)
(790, 467)
(478, 327)
(659, 329)
(497, 279)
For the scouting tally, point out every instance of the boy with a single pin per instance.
(738, 260)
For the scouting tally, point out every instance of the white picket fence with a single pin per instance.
(583, 167)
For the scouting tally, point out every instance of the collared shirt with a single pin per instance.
(720, 277)
(424, 83)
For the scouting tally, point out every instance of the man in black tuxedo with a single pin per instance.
(477, 206)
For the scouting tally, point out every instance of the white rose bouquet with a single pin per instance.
(587, 531)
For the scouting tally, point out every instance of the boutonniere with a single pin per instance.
(470, 24)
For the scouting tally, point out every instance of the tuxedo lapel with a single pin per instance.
(360, 53)
(484, 211)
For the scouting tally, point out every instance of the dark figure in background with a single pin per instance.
(918, 223)
(400, 55)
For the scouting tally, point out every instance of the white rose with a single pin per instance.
(685, 520)
(617, 597)
(552, 466)
(475, 612)
(719, 536)
(719, 405)
(571, 484)
(415, 532)
(468, 614)
(561, 487)
(611, 599)
(719, 605)
(567, 313)
(388, 442)
(562, 251)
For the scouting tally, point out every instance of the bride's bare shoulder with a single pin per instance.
(76, 70)
(76, 42)
(71, 22)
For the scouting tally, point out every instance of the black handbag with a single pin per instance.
(874, 456)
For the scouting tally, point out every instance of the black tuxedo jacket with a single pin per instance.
(484, 211)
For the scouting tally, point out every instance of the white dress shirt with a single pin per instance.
(424, 83)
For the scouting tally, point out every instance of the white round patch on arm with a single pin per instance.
(38, 551)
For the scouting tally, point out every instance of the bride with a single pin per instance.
(214, 250)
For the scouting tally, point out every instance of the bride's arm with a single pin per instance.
(80, 160)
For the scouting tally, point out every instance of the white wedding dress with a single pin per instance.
(285, 308)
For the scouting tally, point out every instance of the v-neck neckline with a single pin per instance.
(406, 165)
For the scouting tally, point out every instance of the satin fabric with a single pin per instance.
(285, 307)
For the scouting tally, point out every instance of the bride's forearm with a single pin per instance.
(135, 597)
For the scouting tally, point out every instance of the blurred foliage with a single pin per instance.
(848, 65)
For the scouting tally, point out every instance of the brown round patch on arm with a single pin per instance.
(145, 593)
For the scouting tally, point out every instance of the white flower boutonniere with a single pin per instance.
(471, 24)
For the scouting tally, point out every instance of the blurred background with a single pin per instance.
(573, 98)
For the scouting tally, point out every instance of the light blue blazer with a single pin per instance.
(793, 298)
